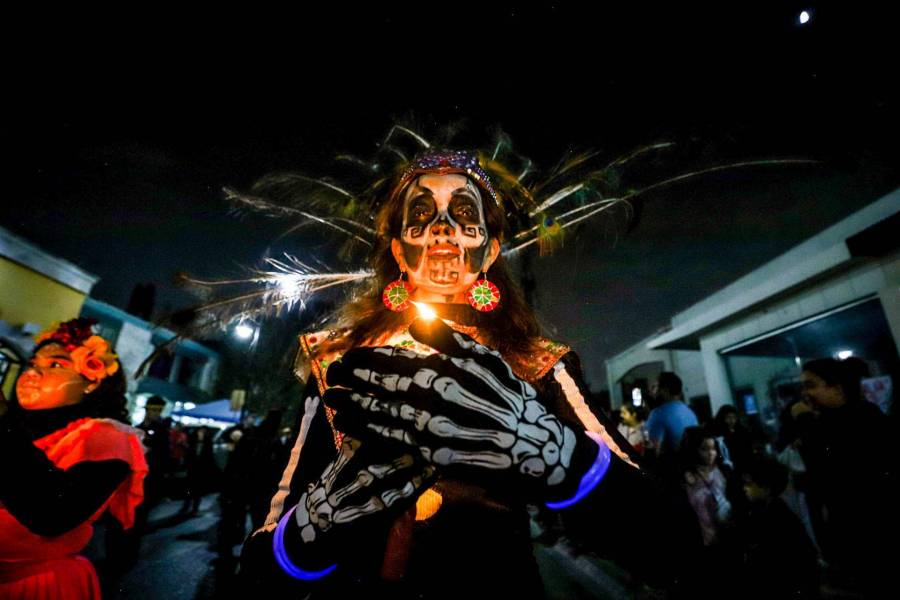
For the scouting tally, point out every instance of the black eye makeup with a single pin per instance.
(421, 210)
(464, 210)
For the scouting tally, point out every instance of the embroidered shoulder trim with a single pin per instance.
(536, 364)
(318, 350)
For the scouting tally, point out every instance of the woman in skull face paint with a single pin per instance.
(441, 229)
(444, 429)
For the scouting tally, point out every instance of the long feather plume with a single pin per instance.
(596, 207)
(540, 211)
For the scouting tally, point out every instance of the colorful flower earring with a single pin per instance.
(397, 294)
(483, 295)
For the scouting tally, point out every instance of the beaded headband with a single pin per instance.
(446, 162)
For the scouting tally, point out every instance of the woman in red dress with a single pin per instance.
(65, 461)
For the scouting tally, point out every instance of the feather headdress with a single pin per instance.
(541, 208)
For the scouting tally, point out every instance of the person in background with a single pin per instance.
(256, 465)
(156, 439)
(665, 426)
(737, 439)
(201, 469)
(631, 425)
(710, 490)
(178, 445)
(66, 460)
(780, 560)
(705, 481)
(849, 449)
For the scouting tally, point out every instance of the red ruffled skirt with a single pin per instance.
(68, 578)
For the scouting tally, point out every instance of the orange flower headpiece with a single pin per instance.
(90, 353)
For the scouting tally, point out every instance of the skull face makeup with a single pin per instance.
(444, 243)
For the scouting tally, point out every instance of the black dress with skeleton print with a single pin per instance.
(478, 541)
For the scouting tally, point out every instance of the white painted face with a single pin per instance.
(444, 244)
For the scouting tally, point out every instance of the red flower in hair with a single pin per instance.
(70, 334)
(94, 360)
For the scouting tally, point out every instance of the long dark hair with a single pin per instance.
(689, 450)
(719, 427)
(510, 328)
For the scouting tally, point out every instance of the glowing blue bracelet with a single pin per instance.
(282, 557)
(590, 480)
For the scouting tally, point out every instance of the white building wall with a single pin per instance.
(686, 364)
(881, 279)
(890, 295)
(715, 373)
(813, 278)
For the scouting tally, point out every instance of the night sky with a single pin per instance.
(124, 134)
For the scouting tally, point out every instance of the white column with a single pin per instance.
(615, 390)
(208, 376)
(176, 368)
(889, 295)
(714, 370)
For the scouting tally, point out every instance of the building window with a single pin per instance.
(191, 371)
(639, 378)
(161, 366)
(10, 367)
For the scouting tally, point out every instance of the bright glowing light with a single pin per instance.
(844, 354)
(243, 331)
(189, 406)
(287, 285)
(637, 397)
(425, 312)
(804, 17)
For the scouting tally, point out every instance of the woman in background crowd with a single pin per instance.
(631, 425)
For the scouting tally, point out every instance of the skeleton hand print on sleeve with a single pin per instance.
(463, 407)
(365, 479)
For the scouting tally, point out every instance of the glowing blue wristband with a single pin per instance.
(593, 476)
(282, 557)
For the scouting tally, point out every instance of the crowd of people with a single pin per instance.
(424, 440)
(789, 516)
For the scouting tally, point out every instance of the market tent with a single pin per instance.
(218, 410)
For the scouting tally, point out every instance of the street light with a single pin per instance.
(804, 17)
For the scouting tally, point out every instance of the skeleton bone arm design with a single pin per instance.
(515, 432)
(464, 408)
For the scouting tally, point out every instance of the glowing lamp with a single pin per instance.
(426, 313)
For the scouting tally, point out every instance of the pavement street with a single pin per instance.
(178, 560)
